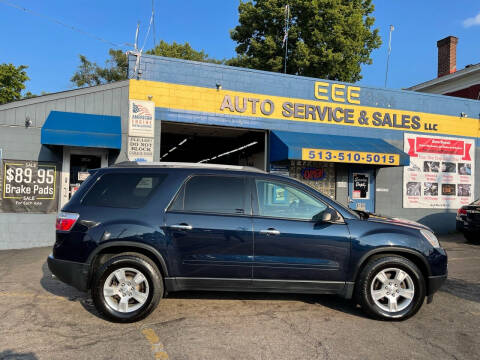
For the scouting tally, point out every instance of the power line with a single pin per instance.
(148, 32)
(58, 22)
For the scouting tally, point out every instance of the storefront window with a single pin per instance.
(79, 166)
(318, 175)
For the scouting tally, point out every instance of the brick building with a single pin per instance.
(464, 83)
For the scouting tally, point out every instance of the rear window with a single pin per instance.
(123, 190)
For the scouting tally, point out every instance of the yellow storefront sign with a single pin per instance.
(346, 156)
(208, 100)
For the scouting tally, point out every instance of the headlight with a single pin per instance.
(431, 238)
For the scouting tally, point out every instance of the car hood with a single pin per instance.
(394, 221)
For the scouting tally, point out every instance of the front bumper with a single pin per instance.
(434, 283)
(70, 272)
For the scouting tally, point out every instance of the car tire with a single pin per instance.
(127, 288)
(390, 288)
(472, 237)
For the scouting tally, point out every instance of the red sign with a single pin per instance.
(313, 173)
(439, 146)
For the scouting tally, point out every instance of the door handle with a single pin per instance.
(270, 231)
(181, 227)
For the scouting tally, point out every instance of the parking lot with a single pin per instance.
(42, 318)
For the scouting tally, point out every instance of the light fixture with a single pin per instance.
(28, 122)
(150, 97)
(174, 148)
(229, 152)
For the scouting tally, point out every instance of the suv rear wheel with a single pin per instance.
(127, 288)
(391, 288)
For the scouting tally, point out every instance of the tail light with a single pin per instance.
(65, 220)
(461, 211)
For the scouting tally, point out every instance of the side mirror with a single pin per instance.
(326, 216)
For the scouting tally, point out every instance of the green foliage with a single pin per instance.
(90, 74)
(12, 82)
(29, 95)
(327, 39)
(180, 51)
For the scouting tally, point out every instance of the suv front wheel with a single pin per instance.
(127, 288)
(391, 288)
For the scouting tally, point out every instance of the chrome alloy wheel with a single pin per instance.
(126, 290)
(392, 290)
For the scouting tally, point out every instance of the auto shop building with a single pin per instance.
(398, 153)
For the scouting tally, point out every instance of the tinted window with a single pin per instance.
(214, 194)
(123, 190)
(276, 199)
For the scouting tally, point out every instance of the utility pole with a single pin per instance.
(389, 51)
(285, 36)
(153, 23)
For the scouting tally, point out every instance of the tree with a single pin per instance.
(12, 82)
(181, 51)
(117, 67)
(328, 39)
(90, 74)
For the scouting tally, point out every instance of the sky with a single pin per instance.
(51, 50)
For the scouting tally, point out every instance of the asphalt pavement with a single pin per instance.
(42, 318)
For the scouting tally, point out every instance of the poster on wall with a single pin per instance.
(141, 118)
(360, 186)
(29, 187)
(140, 148)
(441, 172)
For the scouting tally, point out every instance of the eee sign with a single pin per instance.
(141, 118)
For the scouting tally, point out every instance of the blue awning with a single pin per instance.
(85, 130)
(333, 148)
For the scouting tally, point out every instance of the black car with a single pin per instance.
(468, 221)
(133, 232)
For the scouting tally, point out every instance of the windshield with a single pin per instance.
(476, 202)
(350, 211)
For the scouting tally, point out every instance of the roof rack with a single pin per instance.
(186, 165)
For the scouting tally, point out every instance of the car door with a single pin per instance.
(288, 244)
(209, 229)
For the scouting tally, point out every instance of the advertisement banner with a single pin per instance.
(141, 118)
(441, 172)
(29, 186)
(140, 148)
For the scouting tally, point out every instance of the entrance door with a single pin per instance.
(361, 189)
(76, 164)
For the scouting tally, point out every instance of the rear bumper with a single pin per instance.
(70, 272)
(434, 283)
(466, 226)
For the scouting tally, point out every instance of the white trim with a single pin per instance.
(447, 78)
(65, 175)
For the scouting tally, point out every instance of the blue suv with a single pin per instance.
(134, 232)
